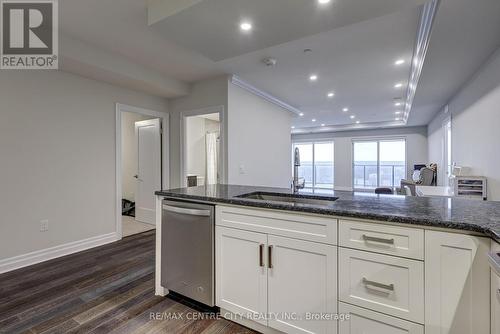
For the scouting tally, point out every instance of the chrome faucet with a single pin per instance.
(297, 183)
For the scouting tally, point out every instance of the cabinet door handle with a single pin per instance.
(376, 239)
(261, 255)
(389, 287)
(270, 257)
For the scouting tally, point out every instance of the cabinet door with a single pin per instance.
(302, 281)
(241, 279)
(362, 321)
(495, 295)
(457, 284)
(495, 303)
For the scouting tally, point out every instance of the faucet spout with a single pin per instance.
(297, 183)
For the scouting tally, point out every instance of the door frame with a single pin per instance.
(165, 162)
(223, 140)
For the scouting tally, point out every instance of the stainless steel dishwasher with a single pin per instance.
(187, 256)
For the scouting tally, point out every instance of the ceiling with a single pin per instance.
(356, 63)
(465, 34)
(211, 27)
(354, 44)
(120, 27)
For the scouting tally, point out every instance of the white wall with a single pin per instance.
(475, 114)
(416, 148)
(129, 153)
(259, 141)
(204, 94)
(436, 142)
(57, 142)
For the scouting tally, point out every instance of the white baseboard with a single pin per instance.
(28, 259)
(343, 188)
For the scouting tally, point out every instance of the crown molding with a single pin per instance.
(425, 26)
(237, 81)
(349, 127)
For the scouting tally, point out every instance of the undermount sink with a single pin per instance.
(289, 198)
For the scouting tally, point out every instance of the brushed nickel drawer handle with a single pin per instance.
(389, 287)
(270, 257)
(376, 239)
(261, 255)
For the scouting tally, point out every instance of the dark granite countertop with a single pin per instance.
(453, 213)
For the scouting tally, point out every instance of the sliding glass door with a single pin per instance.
(317, 165)
(378, 163)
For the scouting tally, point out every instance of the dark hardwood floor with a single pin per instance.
(108, 289)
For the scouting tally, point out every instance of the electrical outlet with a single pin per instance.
(242, 169)
(44, 225)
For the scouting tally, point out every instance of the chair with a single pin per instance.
(385, 191)
(426, 176)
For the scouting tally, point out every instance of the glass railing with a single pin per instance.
(366, 176)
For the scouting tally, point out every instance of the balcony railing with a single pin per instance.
(366, 176)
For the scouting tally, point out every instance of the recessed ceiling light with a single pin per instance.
(245, 26)
(331, 94)
(398, 85)
(357, 122)
(397, 104)
(398, 119)
(398, 112)
(323, 2)
(301, 114)
(352, 117)
(313, 77)
(314, 120)
(345, 109)
(323, 124)
(293, 126)
(399, 62)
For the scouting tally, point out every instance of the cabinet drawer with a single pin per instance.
(365, 321)
(393, 240)
(383, 283)
(293, 225)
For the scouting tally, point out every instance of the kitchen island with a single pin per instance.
(392, 263)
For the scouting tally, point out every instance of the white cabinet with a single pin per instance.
(495, 295)
(263, 269)
(363, 321)
(378, 238)
(302, 281)
(383, 283)
(457, 284)
(495, 303)
(241, 276)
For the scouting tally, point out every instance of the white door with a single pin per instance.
(302, 285)
(457, 284)
(241, 272)
(148, 177)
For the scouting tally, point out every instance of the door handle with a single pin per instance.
(270, 257)
(186, 211)
(261, 255)
(376, 239)
(136, 176)
(389, 287)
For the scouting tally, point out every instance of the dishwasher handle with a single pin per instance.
(186, 211)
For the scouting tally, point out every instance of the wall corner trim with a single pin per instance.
(43, 255)
(235, 80)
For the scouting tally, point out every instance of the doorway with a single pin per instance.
(202, 148)
(141, 167)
